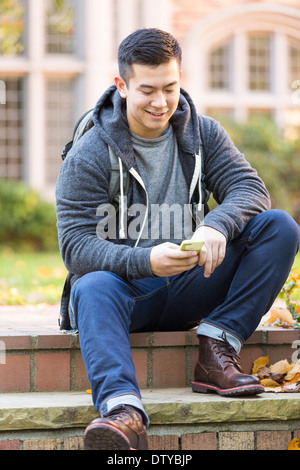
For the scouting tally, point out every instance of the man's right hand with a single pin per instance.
(167, 259)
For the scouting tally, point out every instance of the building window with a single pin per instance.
(59, 123)
(11, 130)
(259, 62)
(219, 68)
(12, 27)
(294, 63)
(60, 26)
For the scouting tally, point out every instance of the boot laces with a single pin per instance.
(226, 350)
(121, 412)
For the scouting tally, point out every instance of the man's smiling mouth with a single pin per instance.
(155, 114)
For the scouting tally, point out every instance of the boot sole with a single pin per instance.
(105, 437)
(236, 391)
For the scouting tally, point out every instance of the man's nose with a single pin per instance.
(159, 100)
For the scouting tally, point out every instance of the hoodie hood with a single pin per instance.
(110, 120)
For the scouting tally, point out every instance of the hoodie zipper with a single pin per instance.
(196, 179)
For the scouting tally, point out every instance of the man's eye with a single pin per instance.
(147, 92)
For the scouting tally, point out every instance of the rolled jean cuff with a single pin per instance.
(207, 329)
(128, 399)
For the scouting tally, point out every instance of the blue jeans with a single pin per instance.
(234, 298)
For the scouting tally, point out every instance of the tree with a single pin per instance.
(11, 27)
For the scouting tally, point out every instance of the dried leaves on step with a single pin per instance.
(294, 444)
(279, 377)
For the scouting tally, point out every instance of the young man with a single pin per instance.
(128, 272)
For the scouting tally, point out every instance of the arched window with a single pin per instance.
(59, 26)
(219, 64)
(245, 60)
(259, 61)
(294, 60)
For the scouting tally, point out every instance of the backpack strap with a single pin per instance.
(84, 124)
(114, 186)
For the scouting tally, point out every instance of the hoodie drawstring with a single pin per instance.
(122, 203)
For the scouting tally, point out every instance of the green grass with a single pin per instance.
(30, 277)
(296, 264)
(294, 281)
(34, 278)
(296, 295)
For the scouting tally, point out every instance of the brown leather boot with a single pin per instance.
(218, 370)
(120, 429)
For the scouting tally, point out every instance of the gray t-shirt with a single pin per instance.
(160, 168)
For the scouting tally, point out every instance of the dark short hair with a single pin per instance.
(147, 46)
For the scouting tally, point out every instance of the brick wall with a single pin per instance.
(217, 440)
(37, 363)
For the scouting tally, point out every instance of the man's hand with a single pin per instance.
(214, 249)
(167, 259)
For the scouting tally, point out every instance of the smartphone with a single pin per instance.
(192, 245)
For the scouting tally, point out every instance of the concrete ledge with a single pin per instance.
(180, 420)
(183, 406)
(45, 410)
(60, 410)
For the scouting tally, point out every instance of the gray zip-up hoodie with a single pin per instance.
(83, 185)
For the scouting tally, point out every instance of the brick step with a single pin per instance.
(36, 357)
(180, 420)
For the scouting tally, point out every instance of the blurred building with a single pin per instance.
(58, 56)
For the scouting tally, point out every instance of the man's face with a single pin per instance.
(152, 97)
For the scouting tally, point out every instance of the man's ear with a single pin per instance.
(121, 86)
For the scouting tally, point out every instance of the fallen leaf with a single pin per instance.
(281, 366)
(278, 376)
(269, 383)
(294, 444)
(263, 372)
(282, 314)
(274, 389)
(259, 363)
(44, 272)
(291, 387)
(293, 371)
(295, 379)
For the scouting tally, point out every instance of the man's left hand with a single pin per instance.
(214, 249)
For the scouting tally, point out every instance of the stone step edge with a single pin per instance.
(60, 410)
(34, 340)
